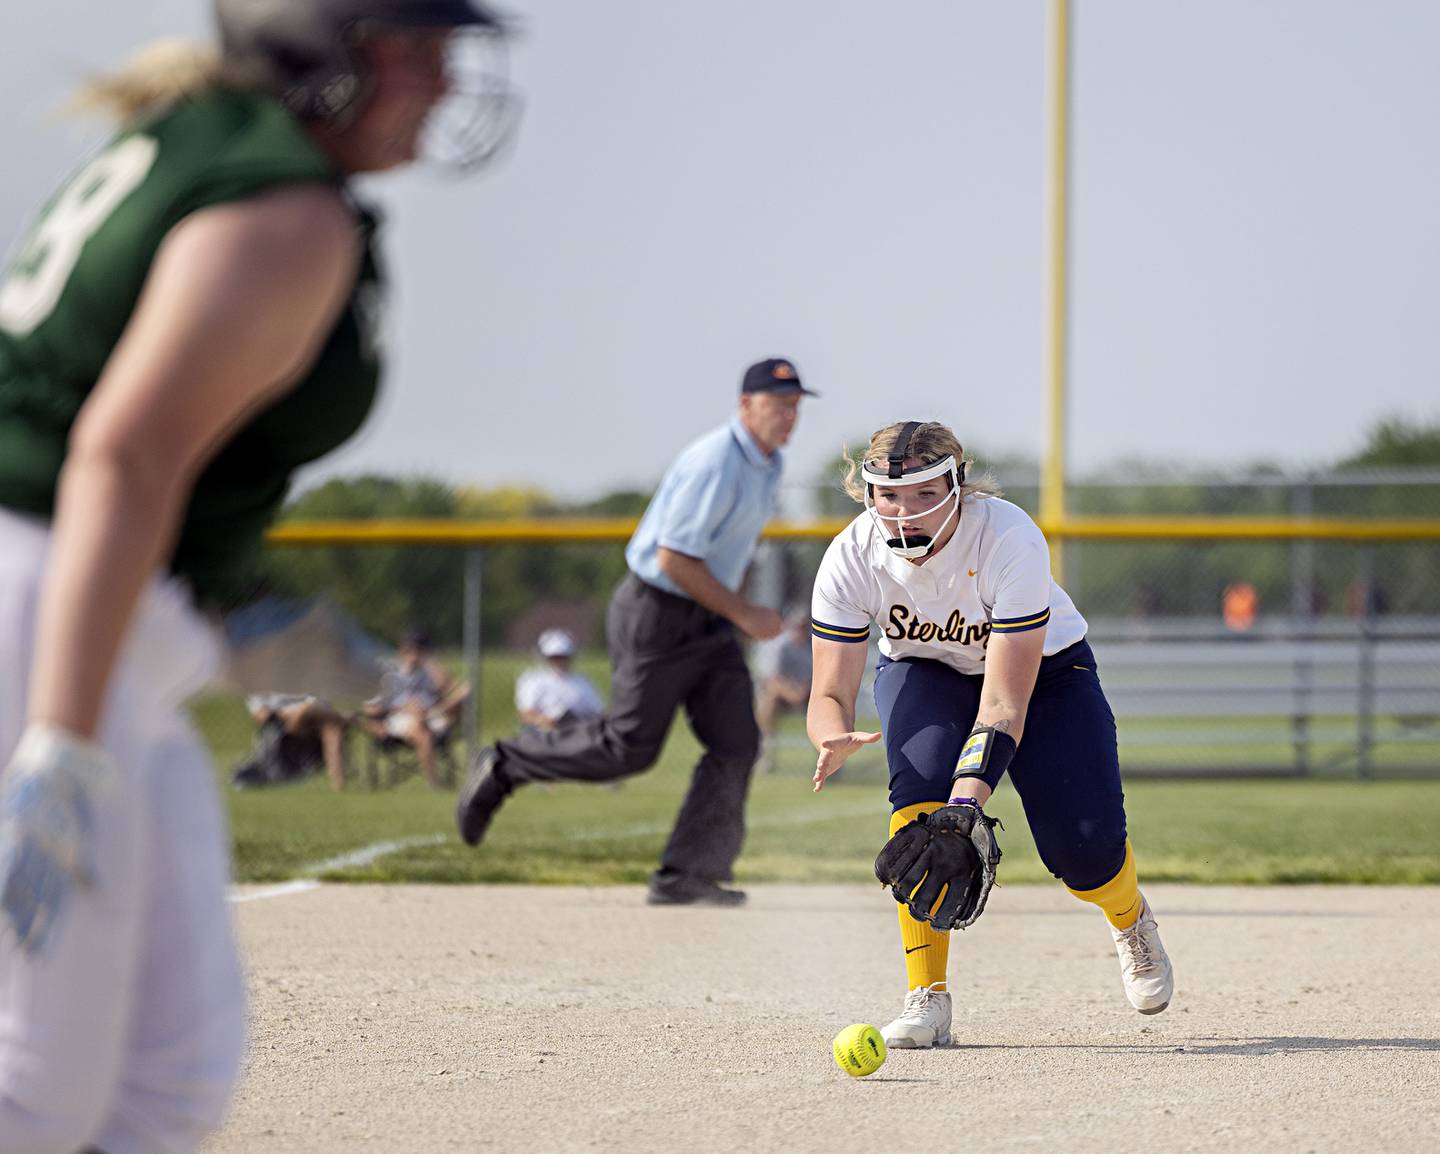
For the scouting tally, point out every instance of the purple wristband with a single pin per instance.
(964, 801)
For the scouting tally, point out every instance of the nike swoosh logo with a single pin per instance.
(912, 949)
(971, 572)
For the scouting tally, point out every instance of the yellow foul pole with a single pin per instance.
(1052, 469)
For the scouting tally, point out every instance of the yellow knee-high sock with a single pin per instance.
(1120, 896)
(927, 950)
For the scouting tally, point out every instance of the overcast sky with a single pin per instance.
(696, 186)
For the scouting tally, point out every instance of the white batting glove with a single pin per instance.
(48, 794)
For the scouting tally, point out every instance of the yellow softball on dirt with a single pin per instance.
(859, 1050)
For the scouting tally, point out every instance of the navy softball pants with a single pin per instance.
(1066, 771)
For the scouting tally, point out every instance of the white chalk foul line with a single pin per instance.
(370, 853)
(360, 857)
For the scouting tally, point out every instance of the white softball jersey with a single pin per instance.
(992, 576)
(545, 690)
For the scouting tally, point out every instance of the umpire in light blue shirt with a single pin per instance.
(672, 630)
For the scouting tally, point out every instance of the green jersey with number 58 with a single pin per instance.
(74, 280)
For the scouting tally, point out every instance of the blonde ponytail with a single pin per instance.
(156, 76)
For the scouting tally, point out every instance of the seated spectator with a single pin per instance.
(553, 694)
(419, 703)
(297, 735)
(783, 685)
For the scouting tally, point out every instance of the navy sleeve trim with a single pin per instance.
(1019, 624)
(846, 634)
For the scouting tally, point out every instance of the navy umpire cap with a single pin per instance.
(776, 375)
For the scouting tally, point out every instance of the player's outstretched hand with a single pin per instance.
(835, 750)
(48, 795)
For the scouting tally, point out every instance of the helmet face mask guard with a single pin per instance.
(309, 54)
(912, 546)
(478, 115)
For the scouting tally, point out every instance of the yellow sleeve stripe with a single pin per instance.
(846, 634)
(1019, 624)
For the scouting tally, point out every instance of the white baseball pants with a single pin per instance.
(125, 1033)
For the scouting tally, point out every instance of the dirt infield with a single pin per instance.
(507, 1018)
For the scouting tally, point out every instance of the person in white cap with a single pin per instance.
(552, 693)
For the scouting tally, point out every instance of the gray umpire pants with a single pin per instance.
(666, 651)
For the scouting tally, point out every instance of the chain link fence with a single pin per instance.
(1220, 656)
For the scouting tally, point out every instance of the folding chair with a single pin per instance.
(390, 759)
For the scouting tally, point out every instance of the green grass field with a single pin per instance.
(1217, 831)
(1244, 832)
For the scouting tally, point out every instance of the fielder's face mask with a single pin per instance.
(478, 115)
(912, 545)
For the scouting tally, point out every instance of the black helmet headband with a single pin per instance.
(895, 464)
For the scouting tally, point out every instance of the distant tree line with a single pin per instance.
(389, 589)
(1322, 578)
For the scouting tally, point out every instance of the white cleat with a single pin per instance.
(923, 1023)
(1144, 965)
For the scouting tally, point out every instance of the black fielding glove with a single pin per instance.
(901, 855)
(951, 851)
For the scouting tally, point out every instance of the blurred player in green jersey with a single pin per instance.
(189, 319)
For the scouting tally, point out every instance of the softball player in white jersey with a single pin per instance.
(188, 321)
(984, 668)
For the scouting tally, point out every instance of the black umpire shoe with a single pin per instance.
(486, 786)
(673, 889)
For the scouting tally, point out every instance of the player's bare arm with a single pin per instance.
(1011, 663)
(234, 310)
(702, 586)
(830, 718)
